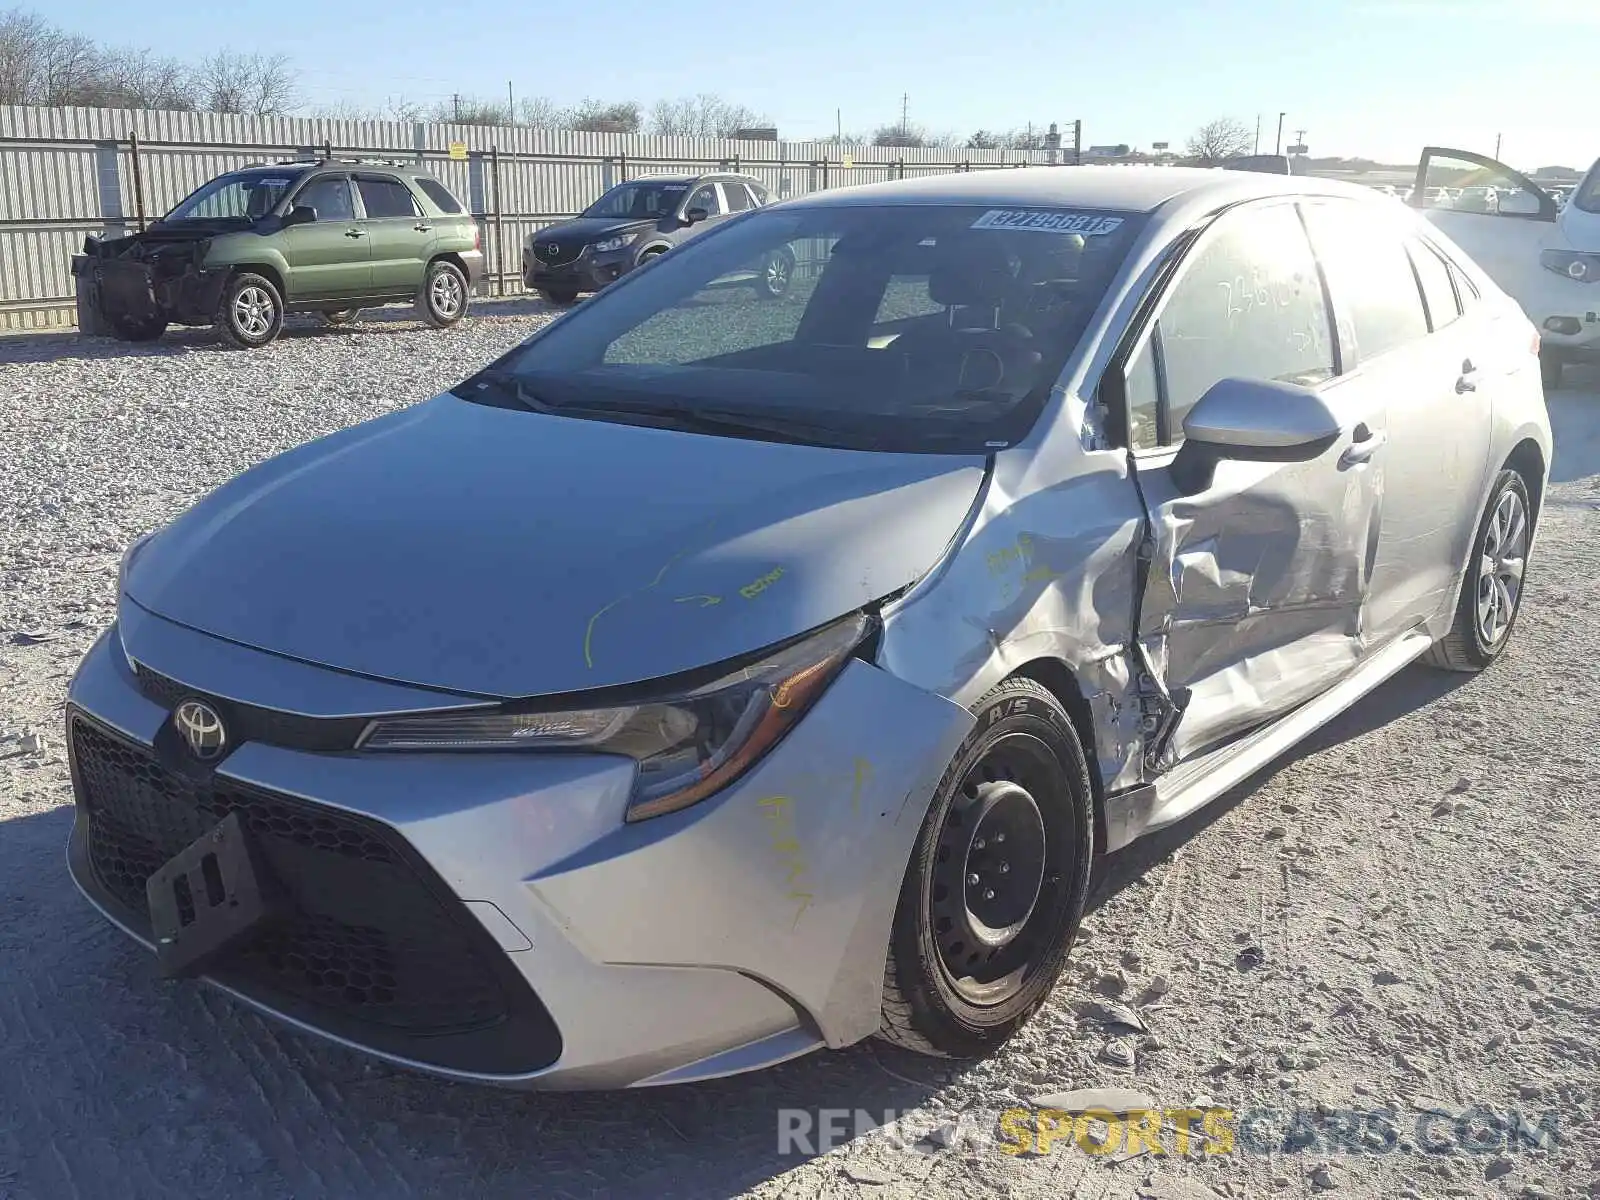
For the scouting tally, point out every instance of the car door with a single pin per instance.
(328, 257)
(398, 237)
(1504, 239)
(706, 196)
(1255, 579)
(1404, 336)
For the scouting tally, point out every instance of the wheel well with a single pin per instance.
(1527, 460)
(452, 258)
(270, 274)
(1057, 678)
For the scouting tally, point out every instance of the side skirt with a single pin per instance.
(1194, 784)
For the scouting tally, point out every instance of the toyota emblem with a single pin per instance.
(200, 726)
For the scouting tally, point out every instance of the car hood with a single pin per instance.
(583, 230)
(505, 553)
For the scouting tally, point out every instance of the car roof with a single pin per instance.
(1128, 189)
(682, 177)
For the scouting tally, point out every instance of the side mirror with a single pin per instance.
(300, 214)
(695, 215)
(1262, 420)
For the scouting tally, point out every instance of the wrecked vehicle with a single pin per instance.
(329, 236)
(714, 678)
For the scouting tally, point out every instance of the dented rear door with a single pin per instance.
(1256, 580)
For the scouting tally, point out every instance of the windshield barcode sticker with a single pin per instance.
(1048, 222)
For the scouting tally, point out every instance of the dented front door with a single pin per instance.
(1256, 574)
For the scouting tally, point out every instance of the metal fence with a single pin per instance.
(69, 172)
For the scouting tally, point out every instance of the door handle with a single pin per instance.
(1468, 382)
(422, 228)
(1363, 447)
(354, 233)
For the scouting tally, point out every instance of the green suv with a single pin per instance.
(330, 236)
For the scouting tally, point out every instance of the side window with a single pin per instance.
(705, 196)
(1489, 188)
(330, 196)
(1466, 290)
(1369, 275)
(383, 197)
(1437, 289)
(758, 195)
(1143, 392)
(737, 198)
(1250, 304)
(439, 194)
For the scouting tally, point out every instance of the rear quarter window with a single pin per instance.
(439, 194)
(1370, 276)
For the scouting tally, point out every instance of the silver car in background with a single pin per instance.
(714, 678)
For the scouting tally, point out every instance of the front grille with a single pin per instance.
(248, 723)
(374, 948)
(556, 255)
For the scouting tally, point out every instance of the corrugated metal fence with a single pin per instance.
(68, 172)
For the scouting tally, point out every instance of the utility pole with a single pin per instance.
(511, 105)
(455, 101)
(1299, 137)
(1497, 147)
(1257, 150)
(905, 114)
(1281, 116)
(838, 126)
(1077, 143)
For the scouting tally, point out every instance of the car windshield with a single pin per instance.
(639, 199)
(1587, 197)
(895, 327)
(243, 196)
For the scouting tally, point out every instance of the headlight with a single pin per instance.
(687, 746)
(612, 243)
(1585, 268)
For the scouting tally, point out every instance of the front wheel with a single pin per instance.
(560, 297)
(251, 312)
(995, 889)
(1491, 586)
(776, 276)
(128, 329)
(443, 299)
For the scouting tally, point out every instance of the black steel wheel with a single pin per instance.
(131, 329)
(340, 316)
(997, 882)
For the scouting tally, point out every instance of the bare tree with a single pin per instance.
(23, 36)
(982, 139)
(899, 135)
(705, 115)
(67, 68)
(141, 79)
(469, 110)
(1219, 140)
(541, 111)
(598, 116)
(259, 84)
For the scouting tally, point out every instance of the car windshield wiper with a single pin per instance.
(713, 420)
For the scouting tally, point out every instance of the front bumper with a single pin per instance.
(586, 273)
(136, 292)
(736, 934)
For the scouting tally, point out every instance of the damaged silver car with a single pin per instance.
(715, 678)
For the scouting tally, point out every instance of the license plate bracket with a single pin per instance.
(210, 896)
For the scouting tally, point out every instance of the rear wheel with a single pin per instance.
(560, 297)
(996, 885)
(443, 299)
(1491, 586)
(251, 312)
(776, 275)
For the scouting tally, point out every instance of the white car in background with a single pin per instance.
(1544, 253)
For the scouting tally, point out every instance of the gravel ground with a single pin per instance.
(1403, 917)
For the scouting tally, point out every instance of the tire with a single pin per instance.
(1481, 628)
(340, 316)
(126, 329)
(1550, 369)
(560, 297)
(251, 312)
(777, 275)
(443, 299)
(1023, 732)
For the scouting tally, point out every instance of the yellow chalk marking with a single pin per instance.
(705, 601)
(863, 774)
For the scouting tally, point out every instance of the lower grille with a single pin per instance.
(374, 949)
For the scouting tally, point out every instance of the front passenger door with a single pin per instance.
(1257, 573)
(707, 197)
(328, 258)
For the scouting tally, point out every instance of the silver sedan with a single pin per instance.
(716, 678)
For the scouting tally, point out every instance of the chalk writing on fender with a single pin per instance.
(751, 590)
(778, 812)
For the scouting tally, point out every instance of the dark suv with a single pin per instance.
(634, 222)
(327, 236)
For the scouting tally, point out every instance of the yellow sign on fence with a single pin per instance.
(849, 160)
(458, 150)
